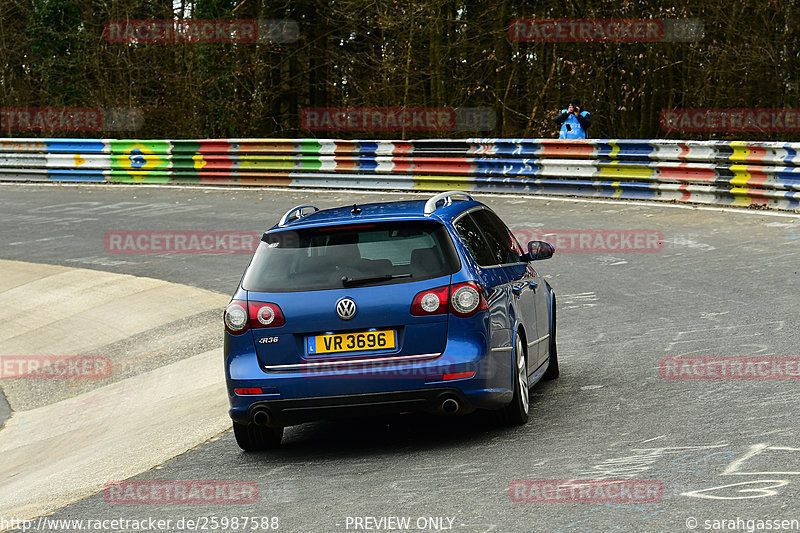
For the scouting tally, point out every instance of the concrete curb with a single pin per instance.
(58, 453)
(49, 310)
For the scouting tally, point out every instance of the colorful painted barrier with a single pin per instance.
(758, 174)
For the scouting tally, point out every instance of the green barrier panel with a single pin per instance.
(135, 156)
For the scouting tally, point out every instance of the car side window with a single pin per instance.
(502, 244)
(474, 242)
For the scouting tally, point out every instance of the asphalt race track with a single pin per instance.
(721, 284)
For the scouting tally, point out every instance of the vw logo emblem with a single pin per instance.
(346, 308)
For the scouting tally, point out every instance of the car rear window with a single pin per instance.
(342, 256)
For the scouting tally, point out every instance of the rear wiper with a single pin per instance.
(351, 282)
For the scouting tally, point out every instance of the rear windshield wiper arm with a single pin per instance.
(350, 282)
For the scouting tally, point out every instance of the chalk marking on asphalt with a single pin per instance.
(45, 239)
(758, 449)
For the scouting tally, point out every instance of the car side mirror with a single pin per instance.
(540, 250)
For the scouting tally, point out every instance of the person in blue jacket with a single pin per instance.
(574, 121)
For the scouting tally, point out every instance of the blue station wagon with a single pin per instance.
(392, 307)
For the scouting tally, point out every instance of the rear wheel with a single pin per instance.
(552, 369)
(516, 413)
(254, 438)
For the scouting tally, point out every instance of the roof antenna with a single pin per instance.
(356, 210)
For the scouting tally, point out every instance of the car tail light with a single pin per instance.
(431, 302)
(235, 317)
(259, 315)
(265, 315)
(253, 390)
(462, 299)
(466, 299)
(458, 375)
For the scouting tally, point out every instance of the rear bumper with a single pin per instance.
(483, 382)
(288, 412)
(469, 370)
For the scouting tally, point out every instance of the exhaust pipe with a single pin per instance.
(261, 416)
(450, 406)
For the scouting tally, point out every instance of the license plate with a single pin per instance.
(352, 342)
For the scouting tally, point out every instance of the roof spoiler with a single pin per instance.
(296, 213)
(430, 205)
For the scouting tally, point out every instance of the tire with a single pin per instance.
(552, 371)
(516, 412)
(253, 438)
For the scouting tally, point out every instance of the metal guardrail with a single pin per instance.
(757, 174)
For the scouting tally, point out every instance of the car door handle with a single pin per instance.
(534, 285)
(517, 289)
